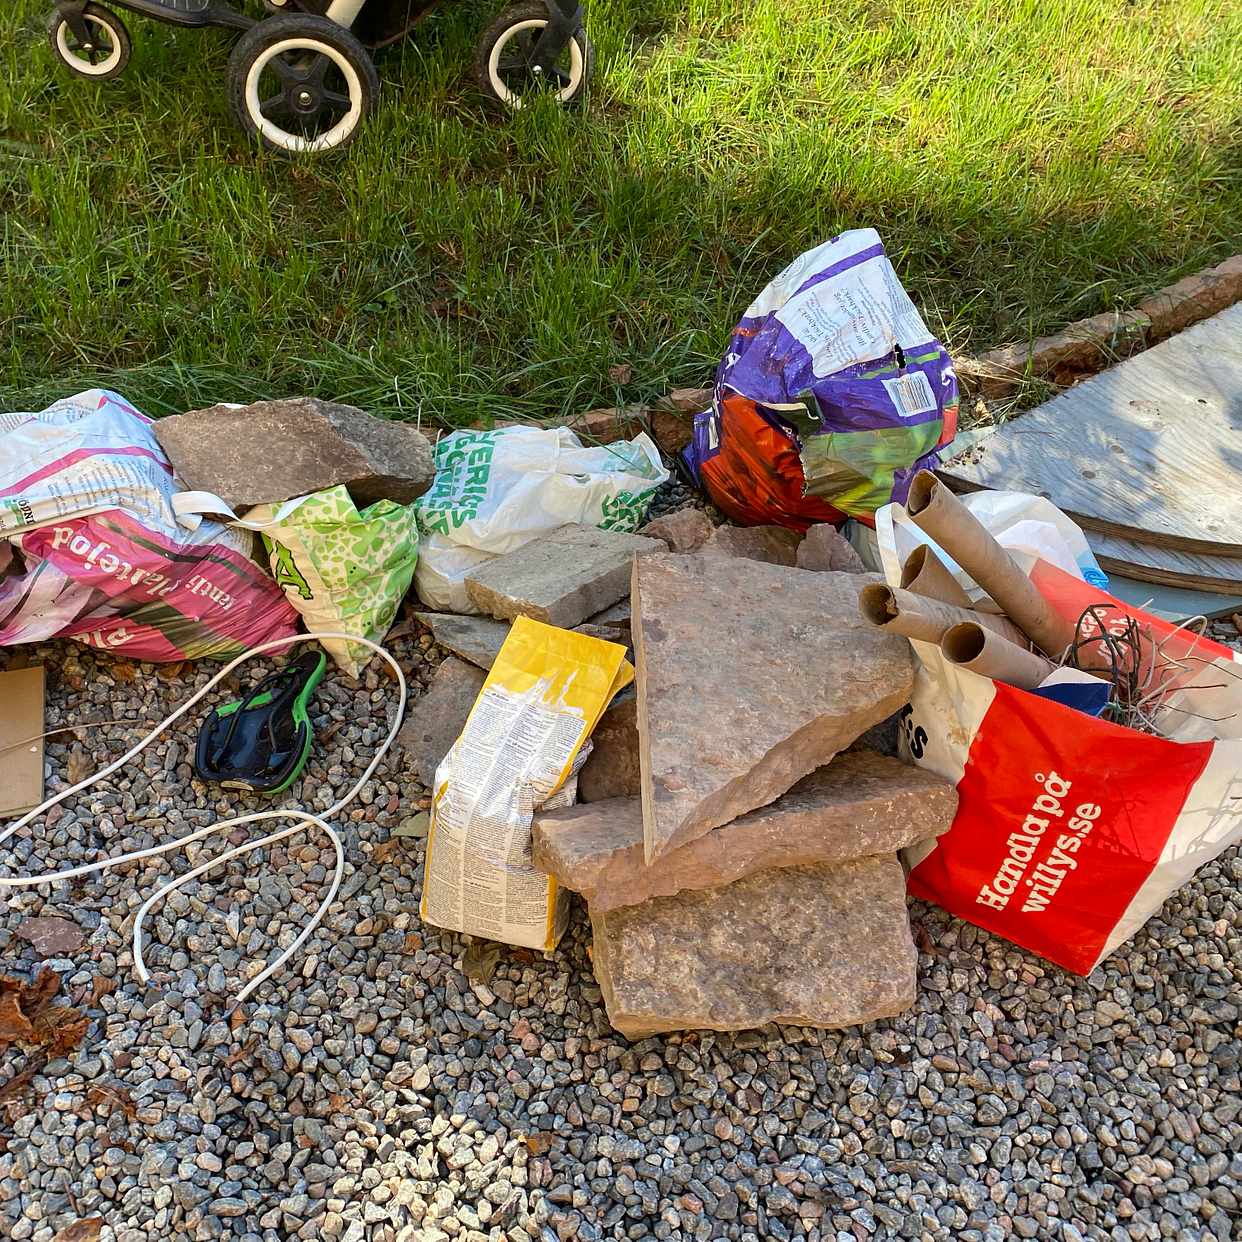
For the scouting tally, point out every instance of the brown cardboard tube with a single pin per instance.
(924, 573)
(916, 616)
(935, 510)
(972, 647)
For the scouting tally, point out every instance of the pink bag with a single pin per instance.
(1071, 831)
(86, 499)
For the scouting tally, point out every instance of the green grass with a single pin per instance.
(1027, 163)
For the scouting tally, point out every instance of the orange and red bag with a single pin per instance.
(1072, 831)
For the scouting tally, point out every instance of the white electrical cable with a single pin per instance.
(304, 818)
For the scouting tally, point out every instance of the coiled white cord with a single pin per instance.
(303, 819)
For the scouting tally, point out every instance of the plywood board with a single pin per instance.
(1150, 449)
(21, 739)
(1173, 603)
(1169, 566)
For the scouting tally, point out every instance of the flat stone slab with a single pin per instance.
(476, 639)
(274, 450)
(561, 579)
(774, 545)
(750, 676)
(612, 770)
(826, 945)
(861, 804)
(825, 548)
(616, 618)
(436, 718)
(479, 639)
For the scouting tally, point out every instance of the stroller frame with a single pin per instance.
(330, 67)
(563, 21)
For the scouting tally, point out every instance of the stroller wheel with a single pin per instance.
(104, 56)
(504, 65)
(299, 83)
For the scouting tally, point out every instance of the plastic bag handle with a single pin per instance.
(190, 508)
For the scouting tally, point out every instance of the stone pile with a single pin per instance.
(736, 847)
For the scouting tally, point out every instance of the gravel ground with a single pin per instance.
(374, 1092)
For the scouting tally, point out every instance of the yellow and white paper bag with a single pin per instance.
(521, 743)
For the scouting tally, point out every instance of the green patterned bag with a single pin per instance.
(343, 570)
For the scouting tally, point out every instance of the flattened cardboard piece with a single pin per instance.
(21, 759)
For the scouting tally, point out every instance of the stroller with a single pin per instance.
(301, 78)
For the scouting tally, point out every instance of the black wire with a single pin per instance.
(1117, 658)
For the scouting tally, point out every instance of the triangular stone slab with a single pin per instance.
(750, 676)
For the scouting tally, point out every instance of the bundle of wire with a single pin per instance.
(302, 819)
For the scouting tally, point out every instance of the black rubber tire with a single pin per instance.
(116, 31)
(256, 41)
(533, 10)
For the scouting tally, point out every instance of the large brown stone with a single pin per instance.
(273, 450)
(860, 805)
(826, 945)
(750, 676)
(560, 579)
(436, 718)
(825, 548)
(613, 771)
(775, 545)
(687, 530)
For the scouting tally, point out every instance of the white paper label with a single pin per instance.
(911, 394)
(853, 318)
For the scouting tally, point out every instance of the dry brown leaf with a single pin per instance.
(124, 671)
(237, 1018)
(15, 1027)
(621, 373)
(387, 851)
(539, 1144)
(240, 1054)
(329, 733)
(60, 1029)
(172, 672)
(87, 1230)
(108, 1100)
(403, 629)
(27, 1015)
(413, 942)
(80, 764)
(337, 1102)
(480, 960)
(18, 1085)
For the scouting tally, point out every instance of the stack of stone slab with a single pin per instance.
(740, 873)
(737, 871)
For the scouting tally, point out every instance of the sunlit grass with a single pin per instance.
(1026, 163)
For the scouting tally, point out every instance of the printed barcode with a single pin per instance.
(911, 394)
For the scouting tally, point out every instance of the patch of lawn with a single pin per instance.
(1026, 163)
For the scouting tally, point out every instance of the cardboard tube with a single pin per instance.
(916, 616)
(972, 647)
(935, 510)
(899, 612)
(924, 573)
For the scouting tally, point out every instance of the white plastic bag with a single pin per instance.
(497, 490)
